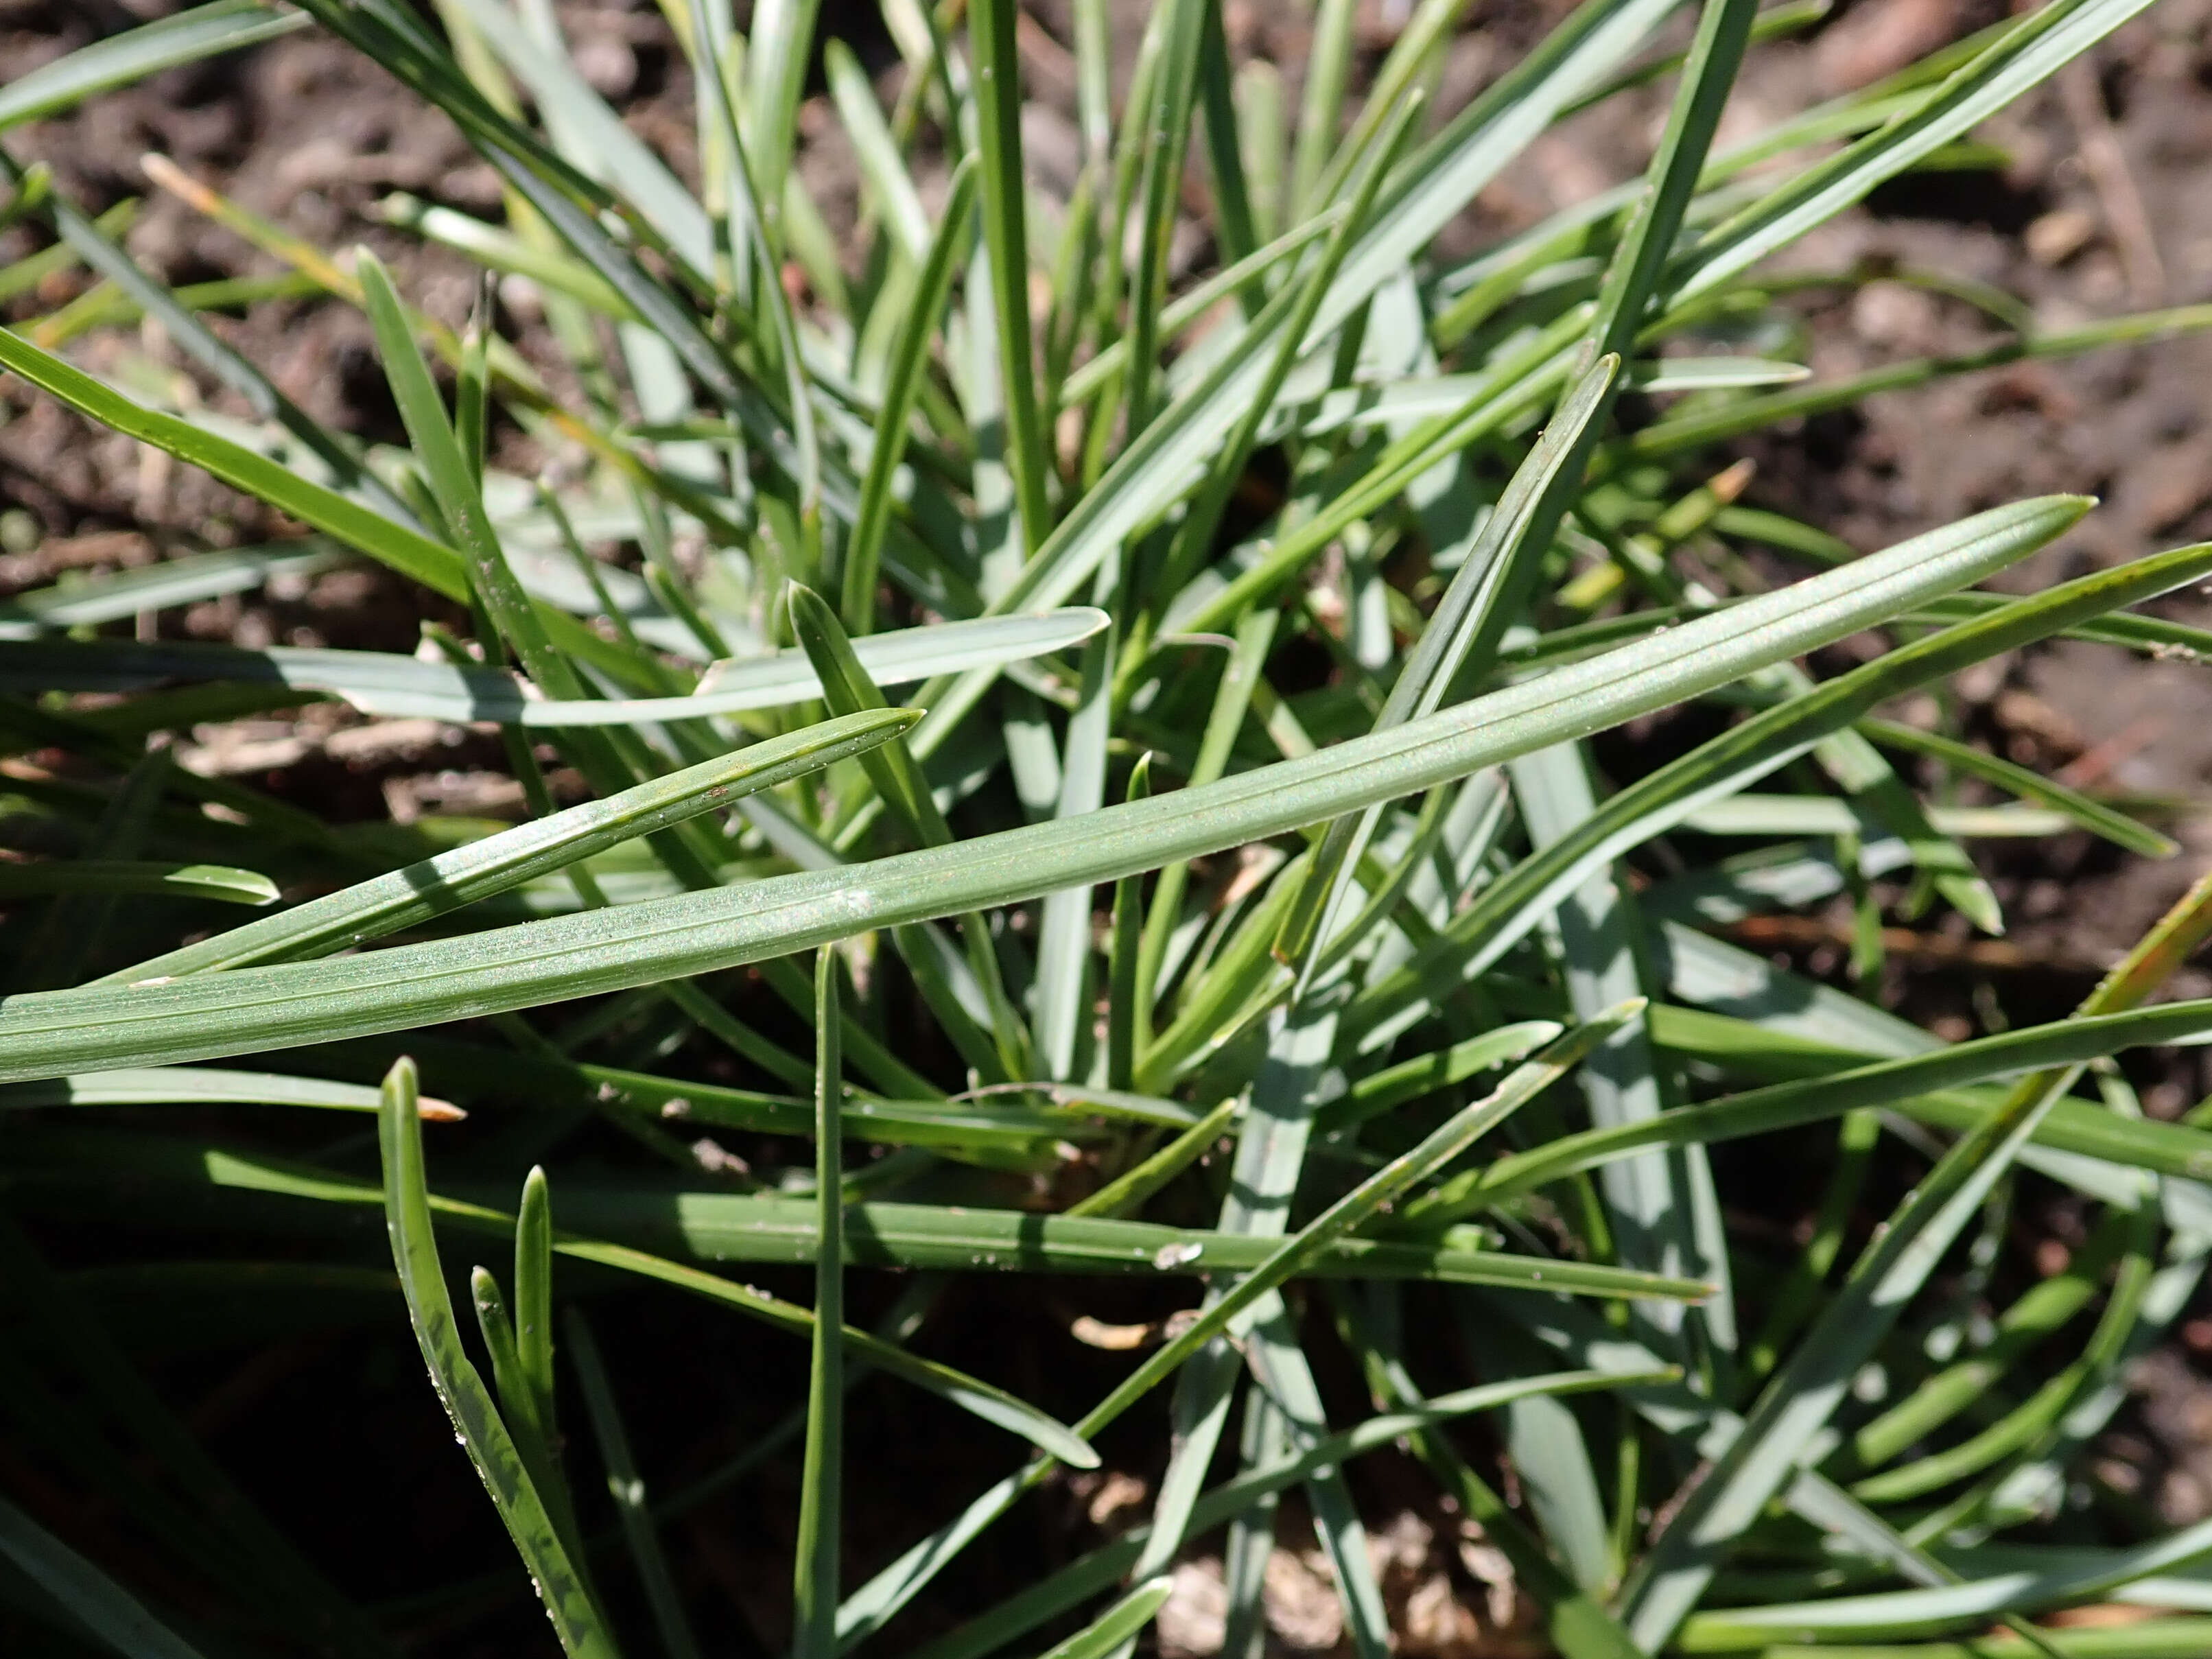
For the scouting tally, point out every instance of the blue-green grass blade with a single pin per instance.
(98, 1027)
(122, 59)
(502, 862)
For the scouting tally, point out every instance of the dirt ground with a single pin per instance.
(2101, 206)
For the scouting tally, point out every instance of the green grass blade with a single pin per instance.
(1936, 1609)
(502, 862)
(1064, 951)
(386, 684)
(1127, 1191)
(2041, 45)
(819, 1549)
(1798, 1401)
(219, 882)
(1516, 533)
(195, 1085)
(533, 1297)
(1118, 1624)
(1006, 240)
(98, 1027)
(1891, 1083)
(902, 385)
(1321, 106)
(404, 550)
(2092, 816)
(1505, 912)
(578, 1622)
(189, 1166)
(121, 59)
(778, 45)
(716, 1226)
(109, 596)
(1723, 32)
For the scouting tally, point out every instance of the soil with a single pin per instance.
(2100, 208)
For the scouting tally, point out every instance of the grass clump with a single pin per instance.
(1160, 711)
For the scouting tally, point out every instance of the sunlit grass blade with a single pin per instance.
(1516, 533)
(404, 549)
(1118, 1624)
(200, 881)
(1505, 911)
(578, 1622)
(2044, 42)
(120, 59)
(503, 861)
(161, 1085)
(99, 1027)
(387, 684)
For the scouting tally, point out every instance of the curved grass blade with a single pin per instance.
(2092, 816)
(219, 882)
(500, 862)
(100, 1026)
(163, 1085)
(404, 550)
(386, 684)
(578, 1622)
(2037, 47)
(1118, 1624)
(121, 59)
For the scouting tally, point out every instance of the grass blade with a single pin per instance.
(582, 1631)
(104, 1607)
(99, 1027)
(1006, 240)
(814, 1591)
(502, 862)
